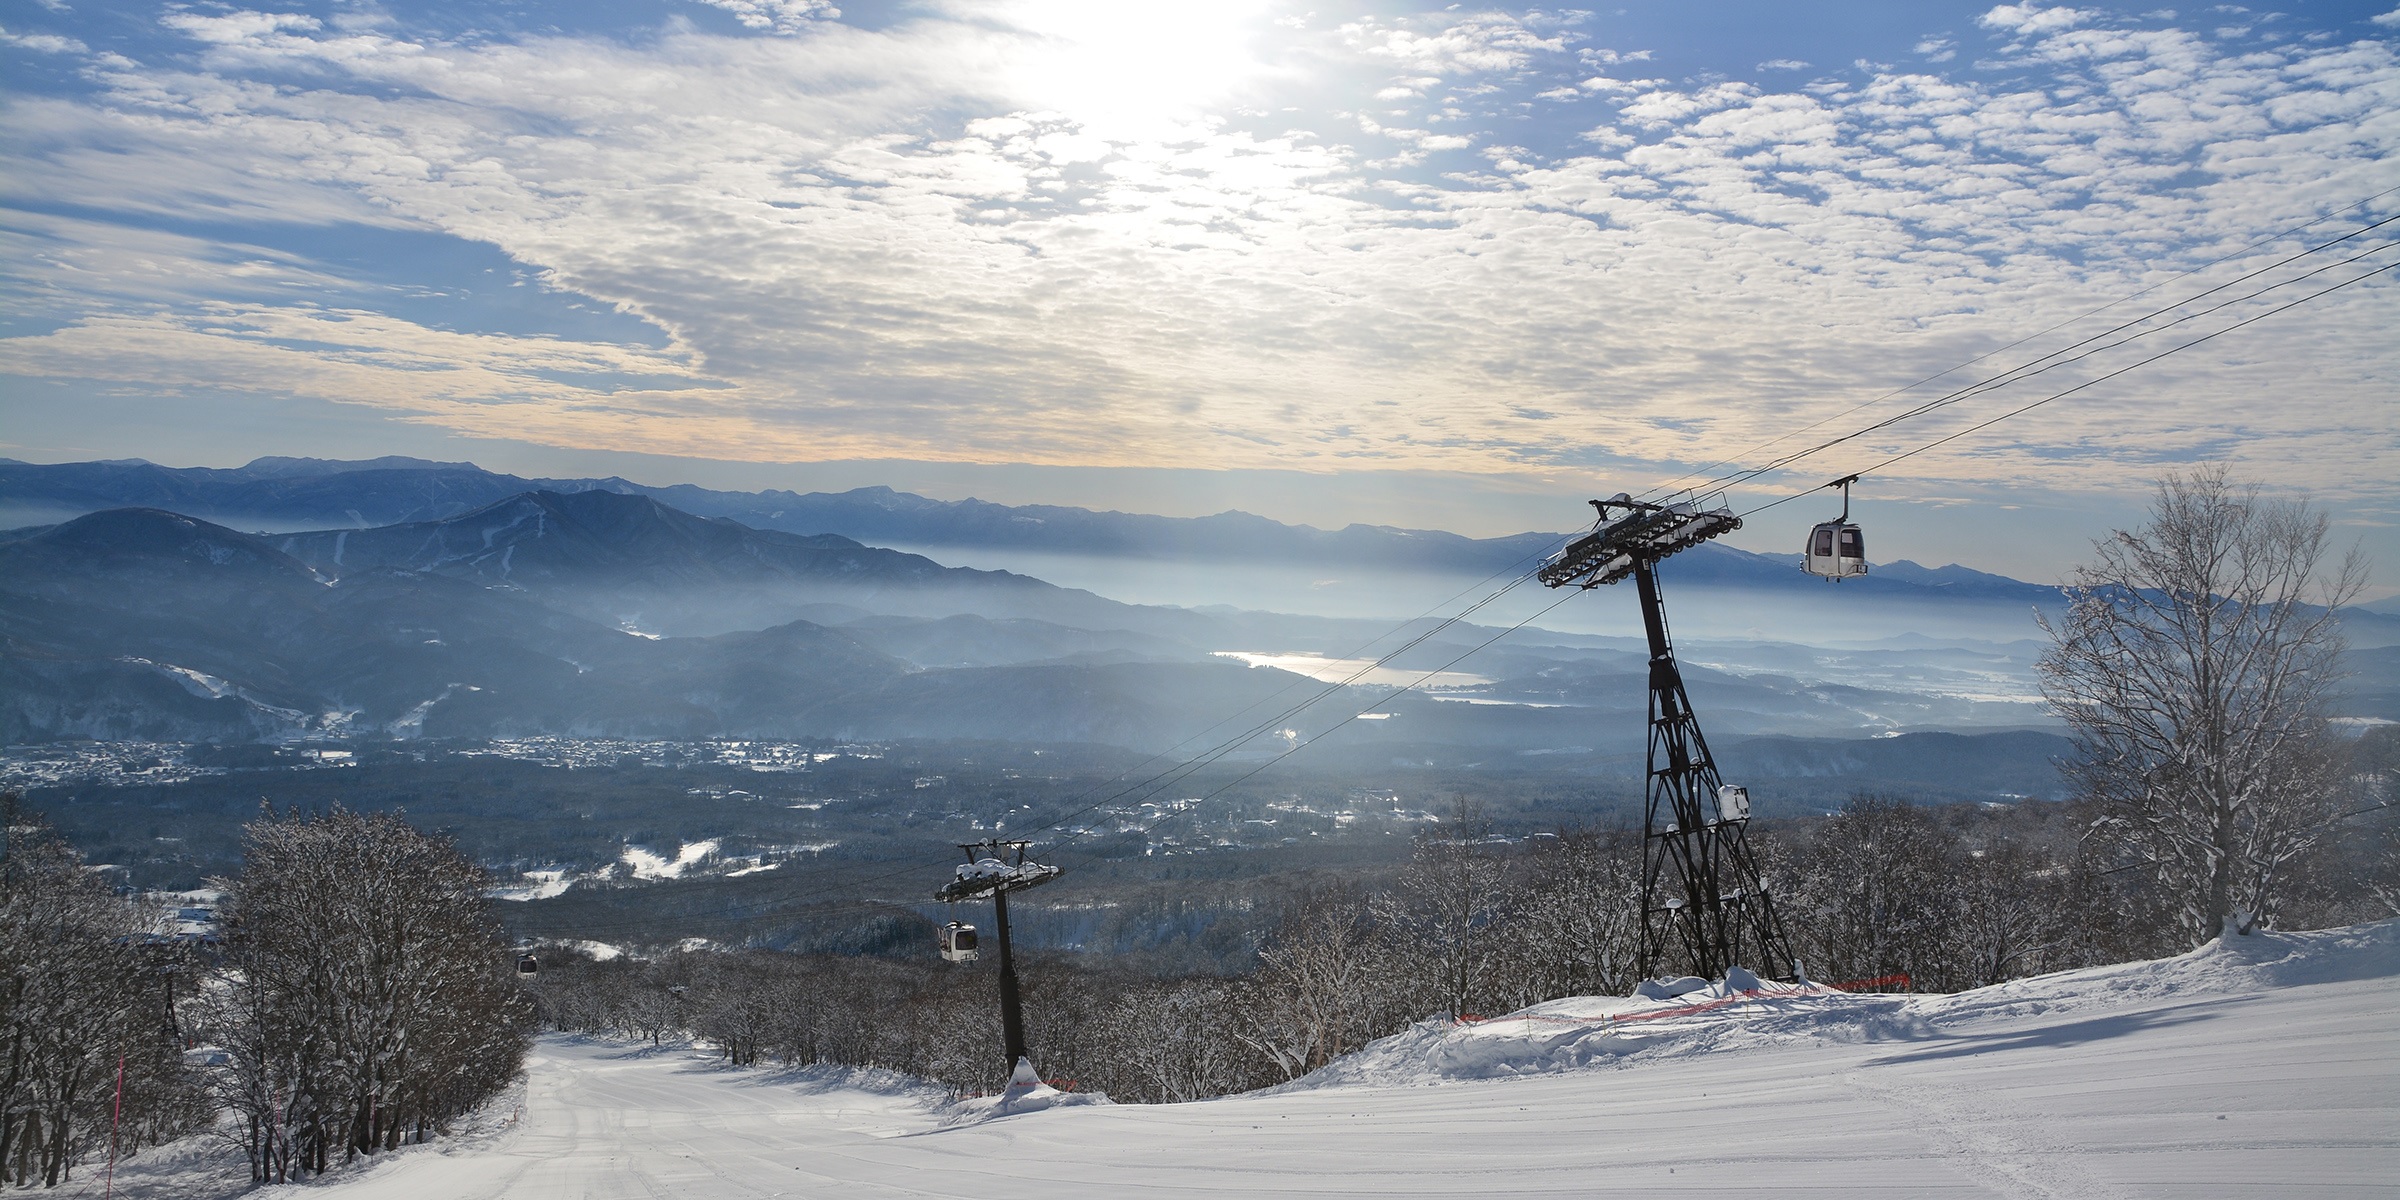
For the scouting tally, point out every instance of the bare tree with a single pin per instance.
(84, 1044)
(1876, 892)
(1451, 911)
(365, 997)
(2192, 666)
(1312, 997)
(1579, 931)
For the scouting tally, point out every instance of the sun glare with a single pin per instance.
(1118, 67)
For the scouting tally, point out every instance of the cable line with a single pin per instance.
(765, 906)
(2089, 383)
(1159, 782)
(1183, 769)
(2029, 369)
(1226, 746)
(1737, 476)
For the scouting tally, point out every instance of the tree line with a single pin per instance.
(361, 996)
(1474, 925)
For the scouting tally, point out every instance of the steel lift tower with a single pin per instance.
(1716, 906)
(995, 868)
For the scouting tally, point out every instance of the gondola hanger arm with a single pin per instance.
(1844, 483)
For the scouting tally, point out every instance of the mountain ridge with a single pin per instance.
(325, 494)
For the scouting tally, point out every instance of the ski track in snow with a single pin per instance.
(2267, 1068)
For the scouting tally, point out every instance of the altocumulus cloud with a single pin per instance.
(1237, 236)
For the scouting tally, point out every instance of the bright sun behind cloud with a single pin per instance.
(1123, 69)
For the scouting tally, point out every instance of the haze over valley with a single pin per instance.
(766, 703)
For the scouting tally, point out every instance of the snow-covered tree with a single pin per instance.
(2192, 667)
(1579, 926)
(367, 995)
(1875, 891)
(1314, 995)
(1456, 898)
(81, 999)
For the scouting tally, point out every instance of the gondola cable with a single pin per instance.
(2037, 366)
(1982, 425)
(1665, 486)
(1207, 758)
(1387, 698)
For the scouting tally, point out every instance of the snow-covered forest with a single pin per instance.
(360, 998)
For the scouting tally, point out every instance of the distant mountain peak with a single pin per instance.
(154, 537)
(276, 466)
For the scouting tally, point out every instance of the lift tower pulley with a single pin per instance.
(1719, 910)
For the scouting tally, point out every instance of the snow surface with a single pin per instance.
(2269, 1066)
(646, 865)
(540, 885)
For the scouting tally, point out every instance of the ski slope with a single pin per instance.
(2266, 1067)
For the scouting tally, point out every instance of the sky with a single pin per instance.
(1447, 267)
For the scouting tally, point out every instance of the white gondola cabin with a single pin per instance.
(1836, 550)
(1733, 802)
(958, 942)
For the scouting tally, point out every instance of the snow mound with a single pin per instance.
(1674, 1019)
(646, 865)
(1025, 1093)
(975, 1110)
(822, 1079)
(2249, 963)
(1591, 1031)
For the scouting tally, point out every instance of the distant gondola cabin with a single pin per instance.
(958, 942)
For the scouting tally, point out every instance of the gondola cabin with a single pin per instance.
(526, 966)
(1733, 803)
(1836, 550)
(958, 942)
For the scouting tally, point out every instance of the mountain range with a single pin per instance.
(146, 624)
(319, 494)
(608, 613)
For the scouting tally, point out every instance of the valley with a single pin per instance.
(652, 725)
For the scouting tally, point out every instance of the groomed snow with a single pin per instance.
(2267, 1067)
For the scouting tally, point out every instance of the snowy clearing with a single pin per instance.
(539, 885)
(2270, 1066)
(647, 865)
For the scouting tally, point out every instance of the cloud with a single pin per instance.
(926, 241)
(777, 16)
(1476, 43)
(42, 43)
(2031, 19)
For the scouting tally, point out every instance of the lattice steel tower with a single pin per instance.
(1719, 908)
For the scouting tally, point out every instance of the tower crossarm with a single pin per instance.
(1643, 533)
